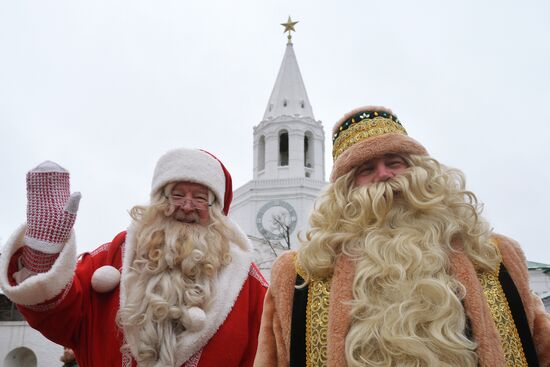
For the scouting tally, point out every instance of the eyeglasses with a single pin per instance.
(196, 203)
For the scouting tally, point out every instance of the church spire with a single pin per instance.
(289, 96)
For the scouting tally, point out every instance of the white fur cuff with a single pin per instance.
(43, 286)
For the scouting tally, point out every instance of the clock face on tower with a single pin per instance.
(275, 218)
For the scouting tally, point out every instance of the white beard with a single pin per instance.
(174, 270)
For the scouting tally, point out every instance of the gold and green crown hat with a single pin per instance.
(365, 133)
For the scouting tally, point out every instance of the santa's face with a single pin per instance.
(189, 203)
(380, 169)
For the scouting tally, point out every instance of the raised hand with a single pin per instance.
(51, 213)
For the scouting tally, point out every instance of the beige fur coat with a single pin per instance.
(274, 339)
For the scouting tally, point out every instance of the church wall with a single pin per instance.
(17, 334)
(271, 155)
(296, 153)
(256, 196)
(319, 164)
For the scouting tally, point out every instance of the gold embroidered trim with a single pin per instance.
(317, 323)
(502, 316)
(365, 129)
(316, 320)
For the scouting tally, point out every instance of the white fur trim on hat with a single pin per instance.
(189, 165)
(105, 279)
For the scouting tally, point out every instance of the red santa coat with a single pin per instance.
(63, 305)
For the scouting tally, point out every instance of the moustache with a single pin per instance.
(383, 190)
(414, 191)
(182, 216)
(371, 204)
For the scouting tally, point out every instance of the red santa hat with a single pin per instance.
(194, 165)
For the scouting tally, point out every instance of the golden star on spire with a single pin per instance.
(289, 27)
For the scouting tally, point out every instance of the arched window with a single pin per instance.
(308, 150)
(20, 357)
(261, 153)
(283, 148)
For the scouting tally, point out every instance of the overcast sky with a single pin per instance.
(105, 87)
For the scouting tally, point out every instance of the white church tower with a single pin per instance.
(289, 166)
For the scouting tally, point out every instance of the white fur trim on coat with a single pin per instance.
(43, 286)
(230, 282)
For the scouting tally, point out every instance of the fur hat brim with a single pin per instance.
(374, 147)
(194, 165)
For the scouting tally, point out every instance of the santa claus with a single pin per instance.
(177, 288)
(399, 268)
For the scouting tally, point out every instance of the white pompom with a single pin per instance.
(105, 279)
(196, 318)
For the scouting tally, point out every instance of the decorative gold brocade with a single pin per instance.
(502, 316)
(364, 129)
(316, 320)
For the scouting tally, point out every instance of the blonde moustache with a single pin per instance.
(413, 190)
(371, 204)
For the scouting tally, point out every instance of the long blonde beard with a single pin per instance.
(174, 269)
(406, 308)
